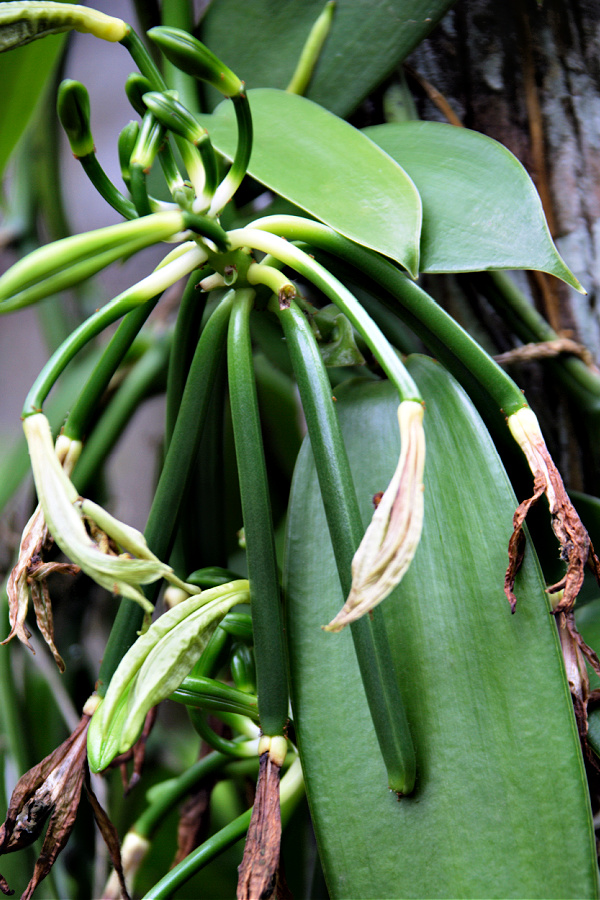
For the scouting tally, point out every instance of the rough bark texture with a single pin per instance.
(528, 74)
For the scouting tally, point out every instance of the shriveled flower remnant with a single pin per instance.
(393, 535)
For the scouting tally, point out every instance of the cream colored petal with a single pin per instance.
(393, 535)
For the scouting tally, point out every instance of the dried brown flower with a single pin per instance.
(50, 793)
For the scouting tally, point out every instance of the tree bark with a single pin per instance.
(528, 74)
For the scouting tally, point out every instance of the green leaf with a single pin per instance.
(367, 41)
(27, 70)
(480, 208)
(329, 169)
(501, 806)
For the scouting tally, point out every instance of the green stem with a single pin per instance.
(312, 270)
(266, 612)
(198, 859)
(239, 166)
(232, 748)
(346, 531)
(206, 693)
(80, 416)
(162, 277)
(107, 190)
(143, 60)
(138, 384)
(179, 14)
(292, 789)
(181, 455)
(178, 788)
(499, 288)
(432, 324)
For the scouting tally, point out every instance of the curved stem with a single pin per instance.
(428, 320)
(107, 190)
(240, 748)
(312, 270)
(79, 418)
(162, 277)
(239, 166)
(177, 789)
(136, 387)
(291, 790)
(266, 612)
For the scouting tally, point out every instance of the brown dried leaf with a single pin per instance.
(258, 870)
(50, 791)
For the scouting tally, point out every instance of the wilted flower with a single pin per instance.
(575, 545)
(50, 792)
(66, 515)
(393, 535)
(154, 666)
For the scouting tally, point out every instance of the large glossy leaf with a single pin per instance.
(24, 73)
(480, 208)
(330, 169)
(367, 41)
(501, 806)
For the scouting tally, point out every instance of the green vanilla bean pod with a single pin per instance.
(73, 107)
(21, 23)
(181, 456)
(345, 526)
(192, 57)
(64, 263)
(256, 510)
(141, 382)
(185, 338)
